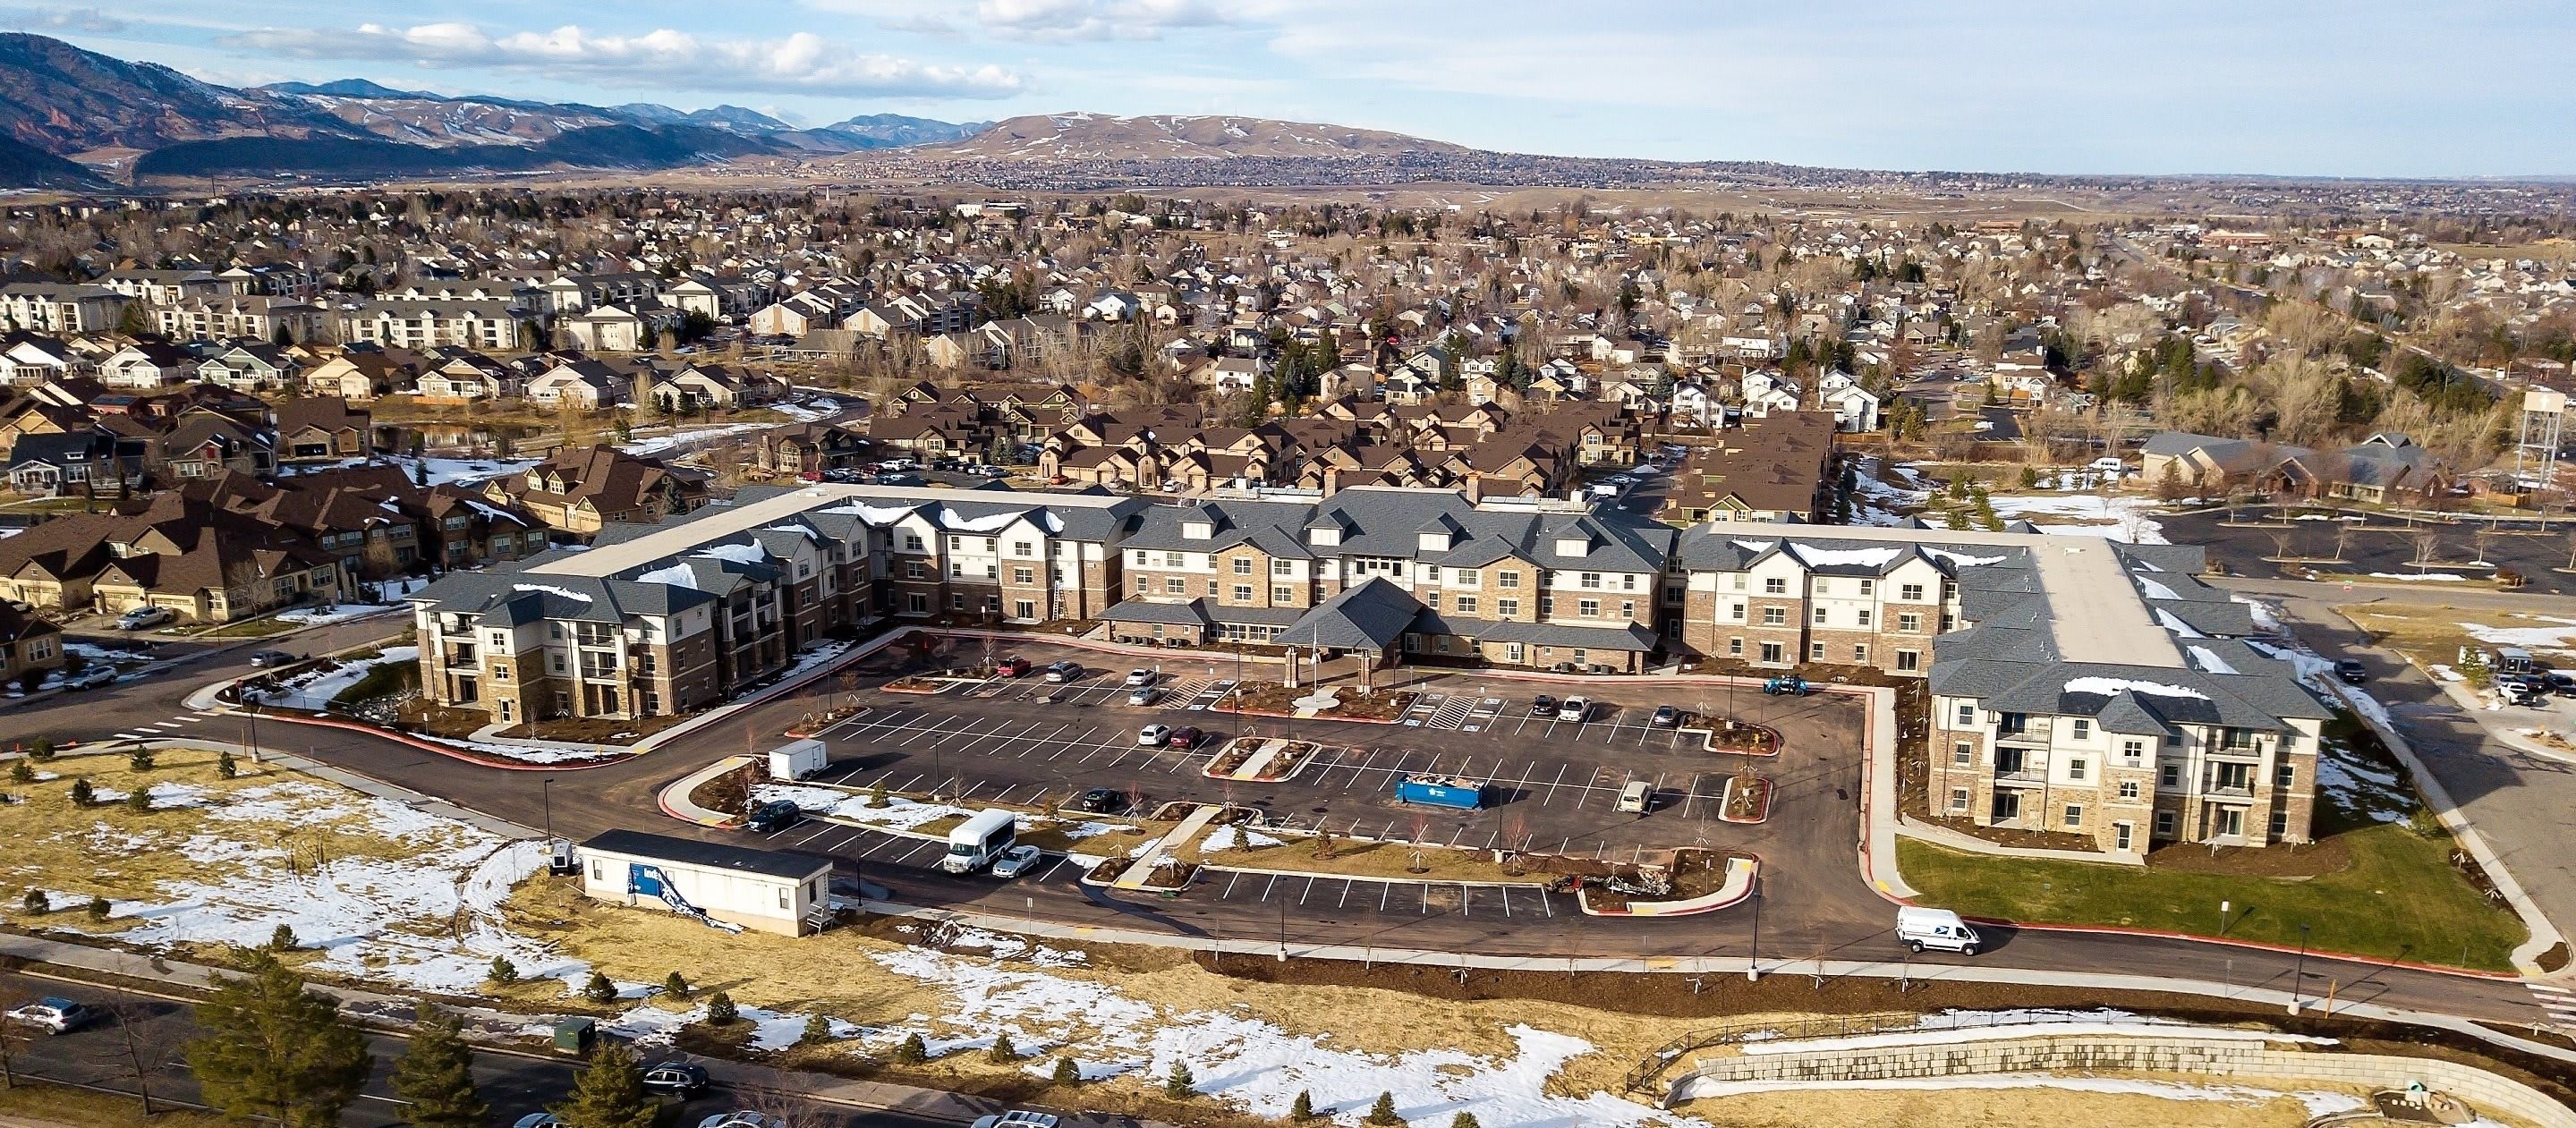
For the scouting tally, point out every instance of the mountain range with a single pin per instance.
(71, 118)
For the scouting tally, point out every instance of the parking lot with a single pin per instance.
(1550, 784)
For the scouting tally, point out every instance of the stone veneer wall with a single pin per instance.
(2223, 1062)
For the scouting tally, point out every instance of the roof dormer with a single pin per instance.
(1440, 535)
(1325, 530)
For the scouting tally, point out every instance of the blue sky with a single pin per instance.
(2361, 88)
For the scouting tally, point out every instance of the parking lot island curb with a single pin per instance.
(675, 800)
(1731, 892)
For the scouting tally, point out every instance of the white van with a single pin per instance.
(975, 843)
(1635, 798)
(1938, 929)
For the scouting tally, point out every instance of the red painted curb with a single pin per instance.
(450, 752)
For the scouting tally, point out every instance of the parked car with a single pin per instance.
(773, 816)
(143, 617)
(537, 1120)
(53, 1014)
(745, 1118)
(1102, 801)
(1542, 706)
(2560, 684)
(1017, 1118)
(1011, 668)
(1015, 861)
(1143, 695)
(1153, 735)
(1636, 798)
(2351, 671)
(1137, 678)
(1665, 717)
(2522, 693)
(1574, 709)
(1063, 671)
(685, 1080)
(90, 676)
(269, 659)
(1185, 737)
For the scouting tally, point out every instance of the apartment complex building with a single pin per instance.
(2078, 686)
(491, 324)
(1514, 581)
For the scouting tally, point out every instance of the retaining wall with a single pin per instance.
(2222, 1062)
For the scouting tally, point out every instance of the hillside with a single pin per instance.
(69, 102)
(607, 146)
(25, 166)
(1097, 137)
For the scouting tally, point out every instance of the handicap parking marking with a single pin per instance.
(1207, 697)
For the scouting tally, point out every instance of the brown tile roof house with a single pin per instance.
(321, 429)
(187, 554)
(577, 491)
(1775, 468)
(28, 644)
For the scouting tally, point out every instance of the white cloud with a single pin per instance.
(801, 63)
(1050, 21)
(61, 19)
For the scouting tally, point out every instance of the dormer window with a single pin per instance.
(1433, 542)
(1198, 530)
(1577, 547)
(1324, 535)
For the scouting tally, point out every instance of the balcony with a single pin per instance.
(2028, 777)
(2240, 752)
(462, 657)
(2024, 732)
(2216, 791)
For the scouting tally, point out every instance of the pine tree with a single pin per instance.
(42, 751)
(436, 1072)
(610, 1094)
(504, 973)
(913, 1051)
(1066, 1072)
(675, 986)
(1003, 1051)
(139, 800)
(99, 908)
(283, 939)
(225, 766)
(1304, 1108)
(273, 1050)
(36, 903)
(1180, 1085)
(721, 1012)
(1383, 1112)
(22, 772)
(1464, 1120)
(82, 793)
(599, 990)
(818, 1030)
(141, 760)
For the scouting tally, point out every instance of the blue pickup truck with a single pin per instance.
(1440, 791)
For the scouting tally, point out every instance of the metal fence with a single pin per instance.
(1852, 1025)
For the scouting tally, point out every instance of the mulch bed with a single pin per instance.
(1743, 738)
(1757, 801)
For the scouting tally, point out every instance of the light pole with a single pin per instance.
(1753, 967)
(546, 795)
(2299, 978)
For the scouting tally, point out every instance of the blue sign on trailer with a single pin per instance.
(1440, 791)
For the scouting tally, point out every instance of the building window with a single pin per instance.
(1243, 593)
(1775, 616)
(1967, 716)
(1283, 595)
(1023, 576)
(1281, 567)
(1589, 580)
(1506, 608)
(1508, 579)
(1588, 608)
(2129, 790)
(1463, 577)
(1775, 585)
(1772, 652)
(1466, 605)
(2284, 775)
(1860, 652)
(1958, 799)
(1815, 652)
(2169, 775)
(2083, 728)
(1817, 616)
(2074, 815)
(1243, 565)
(1962, 754)
(2133, 750)
(1175, 585)
(2164, 824)
(2075, 770)
(1868, 587)
(1910, 592)
(1908, 660)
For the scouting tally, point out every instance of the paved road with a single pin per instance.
(512, 1084)
(2382, 545)
(1814, 901)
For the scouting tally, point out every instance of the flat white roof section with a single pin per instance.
(708, 526)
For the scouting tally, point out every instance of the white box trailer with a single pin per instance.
(728, 887)
(798, 759)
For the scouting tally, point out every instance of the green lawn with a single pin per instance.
(2398, 896)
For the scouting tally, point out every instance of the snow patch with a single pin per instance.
(2113, 687)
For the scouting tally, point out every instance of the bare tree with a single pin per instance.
(138, 1047)
(2428, 543)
